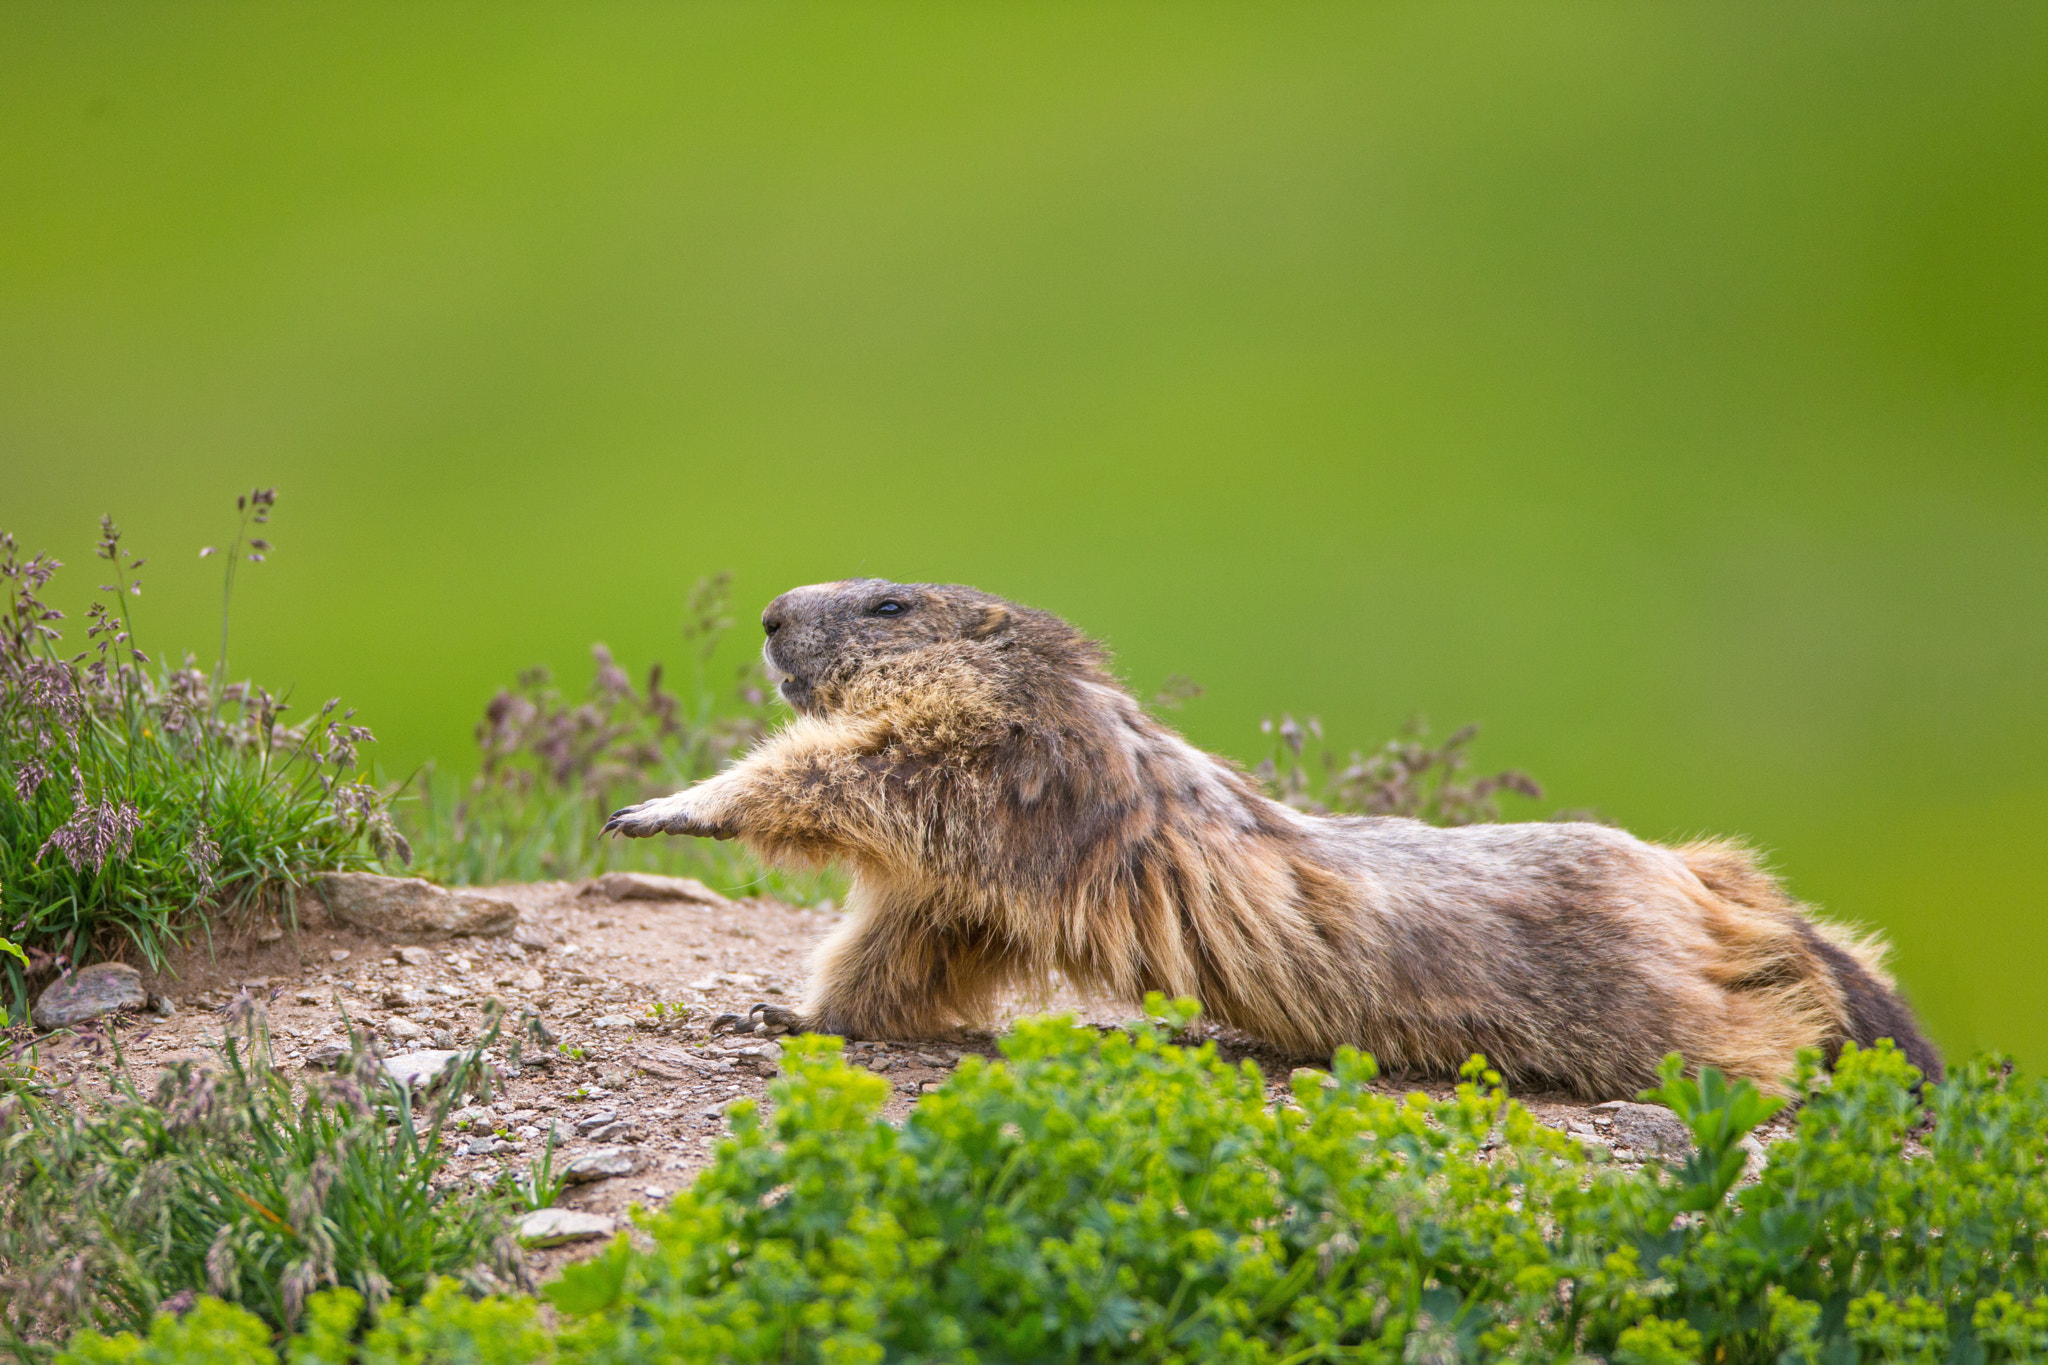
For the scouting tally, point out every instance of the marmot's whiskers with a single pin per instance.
(1008, 811)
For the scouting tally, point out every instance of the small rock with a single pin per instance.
(337, 954)
(558, 1227)
(420, 1069)
(646, 886)
(602, 1163)
(403, 1028)
(530, 981)
(443, 1037)
(403, 998)
(612, 1021)
(930, 1087)
(483, 1146)
(411, 907)
(532, 938)
(1322, 1078)
(614, 1132)
(162, 1006)
(326, 1055)
(597, 1120)
(89, 993)
(414, 957)
(1648, 1128)
(308, 997)
(269, 932)
(614, 1080)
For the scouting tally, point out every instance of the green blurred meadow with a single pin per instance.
(1665, 387)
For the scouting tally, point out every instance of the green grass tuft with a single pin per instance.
(138, 800)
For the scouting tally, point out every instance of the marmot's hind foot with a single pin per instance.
(764, 1020)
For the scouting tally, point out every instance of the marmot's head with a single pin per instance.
(823, 636)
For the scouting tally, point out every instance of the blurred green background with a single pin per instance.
(1663, 386)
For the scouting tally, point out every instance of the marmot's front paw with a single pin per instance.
(664, 815)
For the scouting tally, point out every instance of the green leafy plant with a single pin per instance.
(1129, 1196)
(225, 1183)
(137, 800)
(540, 1185)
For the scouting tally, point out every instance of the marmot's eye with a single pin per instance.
(891, 607)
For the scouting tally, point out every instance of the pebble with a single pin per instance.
(558, 1227)
(408, 907)
(597, 1120)
(89, 993)
(337, 954)
(484, 1146)
(612, 1021)
(602, 1163)
(648, 886)
(531, 981)
(420, 1068)
(402, 1027)
(326, 1055)
(415, 957)
(1647, 1128)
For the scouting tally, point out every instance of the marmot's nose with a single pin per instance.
(771, 621)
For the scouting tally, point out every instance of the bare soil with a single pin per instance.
(621, 1073)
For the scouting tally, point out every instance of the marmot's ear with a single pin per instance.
(994, 620)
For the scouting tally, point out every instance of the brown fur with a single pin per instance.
(1008, 811)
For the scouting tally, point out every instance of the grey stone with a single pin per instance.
(557, 1227)
(414, 957)
(410, 907)
(601, 1163)
(420, 1069)
(615, 1132)
(402, 1028)
(89, 993)
(532, 938)
(530, 981)
(326, 1055)
(647, 886)
(597, 1120)
(1647, 1128)
(484, 1146)
(612, 1021)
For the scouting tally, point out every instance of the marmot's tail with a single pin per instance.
(1876, 1009)
(1871, 1007)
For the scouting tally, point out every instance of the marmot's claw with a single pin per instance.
(621, 821)
(763, 1020)
(773, 1019)
(663, 815)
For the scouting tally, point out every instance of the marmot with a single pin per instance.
(1008, 810)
